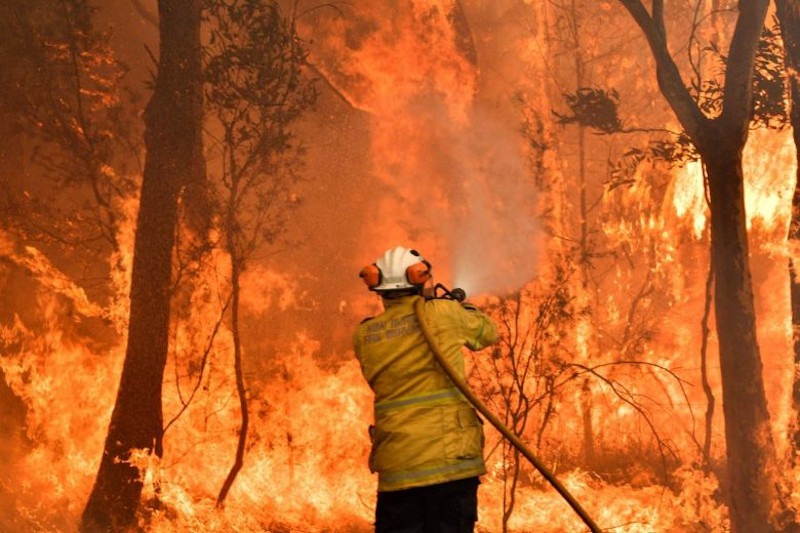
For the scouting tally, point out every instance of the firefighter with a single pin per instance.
(427, 440)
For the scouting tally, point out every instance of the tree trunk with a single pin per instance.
(711, 401)
(234, 238)
(753, 497)
(241, 390)
(174, 157)
(789, 16)
(748, 436)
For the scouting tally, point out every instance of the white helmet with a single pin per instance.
(399, 268)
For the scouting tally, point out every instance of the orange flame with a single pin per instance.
(451, 177)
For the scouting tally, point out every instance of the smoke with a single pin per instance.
(464, 194)
(492, 235)
(449, 167)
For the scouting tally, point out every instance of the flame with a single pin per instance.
(65, 419)
(449, 168)
(689, 197)
(768, 185)
(448, 174)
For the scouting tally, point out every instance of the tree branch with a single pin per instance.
(669, 77)
(738, 93)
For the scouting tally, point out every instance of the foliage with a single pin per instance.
(61, 89)
(255, 90)
(675, 149)
(769, 86)
(592, 108)
(597, 109)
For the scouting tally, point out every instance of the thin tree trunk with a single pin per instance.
(789, 16)
(584, 251)
(174, 157)
(709, 393)
(240, 388)
(237, 259)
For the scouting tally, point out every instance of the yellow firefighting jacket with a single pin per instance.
(425, 431)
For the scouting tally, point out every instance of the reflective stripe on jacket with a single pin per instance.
(425, 430)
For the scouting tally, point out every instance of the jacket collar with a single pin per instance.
(388, 303)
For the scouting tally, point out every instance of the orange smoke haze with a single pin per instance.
(417, 141)
(447, 170)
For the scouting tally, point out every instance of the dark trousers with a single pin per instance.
(445, 508)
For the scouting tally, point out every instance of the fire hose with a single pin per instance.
(512, 437)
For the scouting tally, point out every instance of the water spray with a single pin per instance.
(459, 295)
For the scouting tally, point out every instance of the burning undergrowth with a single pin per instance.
(599, 364)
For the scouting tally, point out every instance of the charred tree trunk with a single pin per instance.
(174, 158)
(789, 16)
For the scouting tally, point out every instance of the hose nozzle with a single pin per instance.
(456, 294)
